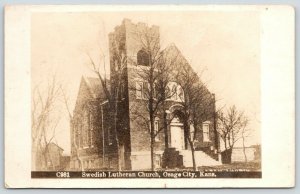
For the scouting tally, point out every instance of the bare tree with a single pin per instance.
(72, 126)
(42, 122)
(113, 95)
(163, 91)
(154, 70)
(197, 104)
(230, 127)
(47, 137)
(245, 133)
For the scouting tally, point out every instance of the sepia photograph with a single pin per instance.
(146, 91)
(156, 94)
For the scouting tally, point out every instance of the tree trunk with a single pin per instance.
(33, 156)
(217, 139)
(35, 148)
(45, 155)
(193, 154)
(152, 155)
(35, 142)
(115, 102)
(76, 146)
(244, 149)
(80, 161)
(151, 115)
(152, 141)
(229, 140)
(226, 156)
(116, 135)
(166, 130)
(194, 162)
(225, 142)
(187, 133)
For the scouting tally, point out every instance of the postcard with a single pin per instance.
(160, 96)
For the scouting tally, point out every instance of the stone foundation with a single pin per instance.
(142, 160)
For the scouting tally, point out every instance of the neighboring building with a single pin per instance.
(64, 162)
(51, 158)
(92, 133)
(252, 154)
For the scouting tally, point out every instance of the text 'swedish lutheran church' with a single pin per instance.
(94, 146)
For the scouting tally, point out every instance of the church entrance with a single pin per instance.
(177, 134)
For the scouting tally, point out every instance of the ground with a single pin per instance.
(251, 166)
(244, 166)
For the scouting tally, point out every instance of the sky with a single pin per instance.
(223, 47)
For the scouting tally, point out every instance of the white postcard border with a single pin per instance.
(278, 107)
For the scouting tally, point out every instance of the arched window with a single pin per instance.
(174, 92)
(180, 93)
(143, 58)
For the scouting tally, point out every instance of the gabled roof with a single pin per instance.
(55, 145)
(172, 52)
(171, 46)
(174, 57)
(94, 86)
(91, 89)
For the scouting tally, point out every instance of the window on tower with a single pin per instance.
(142, 90)
(116, 66)
(143, 58)
(139, 88)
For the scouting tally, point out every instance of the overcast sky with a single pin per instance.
(224, 47)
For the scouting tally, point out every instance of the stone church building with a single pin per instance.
(94, 145)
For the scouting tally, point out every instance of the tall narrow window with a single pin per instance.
(139, 87)
(206, 132)
(116, 92)
(80, 135)
(156, 128)
(76, 134)
(91, 137)
(122, 91)
(142, 90)
(145, 90)
(168, 92)
(174, 92)
(85, 128)
(110, 135)
(91, 127)
(116, 66)
(180, 93)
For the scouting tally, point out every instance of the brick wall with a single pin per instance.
(135, 132)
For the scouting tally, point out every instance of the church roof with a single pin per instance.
(52, 144)
(172, 51)
(95, 86)
(90, 89)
